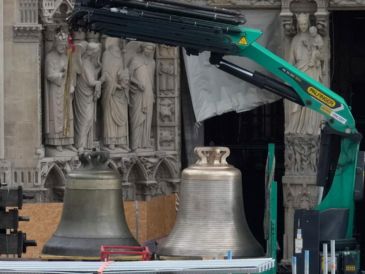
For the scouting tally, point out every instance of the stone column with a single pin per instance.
(306, 47)
(168, 98)
(2, 154)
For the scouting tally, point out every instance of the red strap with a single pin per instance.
(104, 266)
(71, 43)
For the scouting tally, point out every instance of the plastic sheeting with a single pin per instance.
(214, 92)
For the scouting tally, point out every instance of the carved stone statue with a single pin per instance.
(87, 91)
(167, 76)
(142, 71)
(59, 116)
(305, 53)
(315, 48)
(115, 96)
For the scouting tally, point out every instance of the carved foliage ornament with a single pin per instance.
(145, 177)
(301, 196)
(346, 3)
(303, 6)
(301, 154)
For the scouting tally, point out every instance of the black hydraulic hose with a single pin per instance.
(103, 3)
(171, 8)
(192, 6)
(258, 79)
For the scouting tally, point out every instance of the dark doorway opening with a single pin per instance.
(248, 135)
(348, 80)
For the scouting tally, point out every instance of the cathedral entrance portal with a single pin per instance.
(348, 79)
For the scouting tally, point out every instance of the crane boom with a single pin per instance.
(221, 32)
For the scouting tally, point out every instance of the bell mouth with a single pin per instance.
(82, 247)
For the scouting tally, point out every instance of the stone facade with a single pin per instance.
(24, 42)
(21, 117)
(2, 84)
(26, 157)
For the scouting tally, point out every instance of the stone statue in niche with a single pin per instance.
(167, 76)
(142, 73)
(315, 46)
(307, 55)
(115, 97)
(87, 92)
(59, 95)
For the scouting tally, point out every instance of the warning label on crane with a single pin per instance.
(321, 97)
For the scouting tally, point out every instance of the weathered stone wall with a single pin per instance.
(22, 127)
(29, 30)
(1, 80)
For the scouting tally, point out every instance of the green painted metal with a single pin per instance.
(324, 101)
(341, 194)
(271, 186)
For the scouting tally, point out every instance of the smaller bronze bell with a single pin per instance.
(93, 212)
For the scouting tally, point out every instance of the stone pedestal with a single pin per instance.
(306, 46)
(299, 183)
(300, 192)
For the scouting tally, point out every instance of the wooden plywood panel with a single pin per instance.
(161, 212)
(151, 220)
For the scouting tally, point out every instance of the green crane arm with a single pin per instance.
(319, 98)
(221, 32)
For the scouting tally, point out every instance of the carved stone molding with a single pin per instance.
(55, 11)
(145, 177)
(27, 34)
(271, 4)
(347, 4)
(300, 192)
(63, 167)
(301, 154)
(142, 177)
(168, 98)
(27, 27)
(319, 15)
(5, 172)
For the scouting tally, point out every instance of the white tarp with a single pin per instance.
(214, 92)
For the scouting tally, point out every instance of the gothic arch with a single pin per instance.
(115, 167)
(165, 168)
(54, 184)
(136, 172)
(166, 176)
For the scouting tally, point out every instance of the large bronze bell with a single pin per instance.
(211, 219)
(93, 212)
